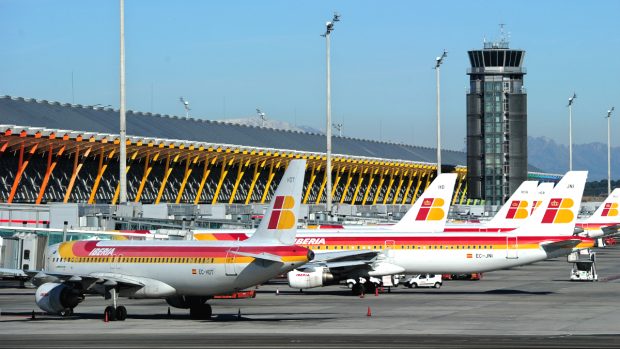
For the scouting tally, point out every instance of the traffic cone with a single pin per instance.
(376, 292)
(369, 313)
(105, 317)
(32, 316)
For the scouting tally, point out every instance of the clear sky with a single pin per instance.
(229, 57)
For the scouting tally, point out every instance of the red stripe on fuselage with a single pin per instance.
(84, 248)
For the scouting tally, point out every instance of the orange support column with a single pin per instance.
(77, 167)
(103, 165)
(22, 167)
(148, 167)
(240, 173)
(223, 174)
(117, 191)
(48, 172)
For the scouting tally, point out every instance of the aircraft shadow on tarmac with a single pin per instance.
(27, 316)
(345, 293)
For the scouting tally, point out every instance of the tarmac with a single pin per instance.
(533, 306)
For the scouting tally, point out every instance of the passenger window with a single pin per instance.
(26, 254)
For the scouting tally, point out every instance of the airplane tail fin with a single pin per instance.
(609, 210)
(279, 225)
(430, 211)
(541, 193)
(557, 214)
(517, 208)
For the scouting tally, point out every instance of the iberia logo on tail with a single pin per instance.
(610, 210)
(431, 210)
(282, 216)
(517, 210)
(559, 211)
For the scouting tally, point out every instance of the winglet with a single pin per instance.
(430, 211)
(517, 208)
(557, 214)
(279, 224)
(609, 211)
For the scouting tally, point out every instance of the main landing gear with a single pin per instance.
(114, 312)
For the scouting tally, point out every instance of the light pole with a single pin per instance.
(123, 129)
(571, 100)
(609, 150)
(329, 26)
(438, 62)
(339, 128)
(185, 105)
(261, 115)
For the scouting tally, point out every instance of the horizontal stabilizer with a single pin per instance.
(611, 230)
(263, 255)
(559, 248)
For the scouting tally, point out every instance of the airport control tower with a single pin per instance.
(496, 122)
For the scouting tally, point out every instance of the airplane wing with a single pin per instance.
(559, 248)
(611, 230)
(343, 262)
(16, 273)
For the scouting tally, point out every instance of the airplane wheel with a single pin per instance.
(357, 289)
(110, 313)
(121, 313)
(201, 312)
(370, 287)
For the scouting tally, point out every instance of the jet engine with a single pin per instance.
(56, 298)
(312, 278)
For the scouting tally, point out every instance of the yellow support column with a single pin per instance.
(400, 185)
(463, 195)
(458, 190)
(21, 169)
(415, 173)
(428, 180)
(51, 165)
(77, 167)
(189, 167)
(381, 180)
(240, 173)
(372, 179)
(258, 165)
(272, 173)
(148, 167)
(346, 186)
(205, 174)
(389, 188)
(167, 172)
(338, 176)
(417, 188)
(320, 194)
(223, 173)
(311, 182)
(360, 179)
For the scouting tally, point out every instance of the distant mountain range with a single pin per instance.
(551, 157)
(543, 153)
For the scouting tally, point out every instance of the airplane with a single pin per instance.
(513, 213)
(185, 273)
(605, 220)
(547, 233)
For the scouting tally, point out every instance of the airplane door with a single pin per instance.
(389, 248)
(230, 261)
(512, 247)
